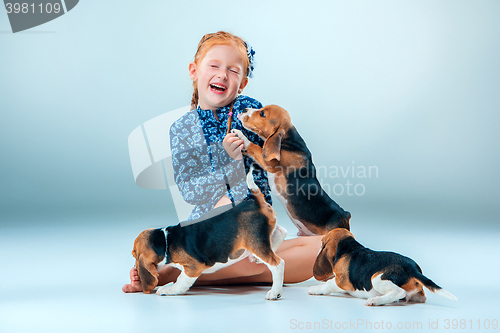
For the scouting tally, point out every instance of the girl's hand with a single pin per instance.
(233, 146)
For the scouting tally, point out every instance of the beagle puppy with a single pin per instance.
(288, 162)
(382, 277)
(212, 243)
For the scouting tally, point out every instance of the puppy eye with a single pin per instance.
(262, 114)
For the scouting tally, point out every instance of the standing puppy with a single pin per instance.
(382, 277)
(287, 159)
(211, 243)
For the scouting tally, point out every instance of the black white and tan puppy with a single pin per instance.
(382, 277)
(208, 244)
(288, 162)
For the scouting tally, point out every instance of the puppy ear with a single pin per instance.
(272, 146)
(323, 268)
(148, 274)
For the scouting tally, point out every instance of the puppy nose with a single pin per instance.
(244, 110)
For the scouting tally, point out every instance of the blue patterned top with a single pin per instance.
(203, 170)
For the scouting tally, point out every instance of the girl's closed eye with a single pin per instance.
(214, 64)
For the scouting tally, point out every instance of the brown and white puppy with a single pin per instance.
(382, 277)
(202, 246)
(288, 162)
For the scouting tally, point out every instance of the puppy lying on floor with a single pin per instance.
(222, 239)
(291, 171)
(382, 277)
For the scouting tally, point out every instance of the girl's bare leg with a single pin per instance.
(299, 255)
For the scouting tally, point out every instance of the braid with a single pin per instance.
(194, 99)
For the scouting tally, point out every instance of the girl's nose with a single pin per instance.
(223, 75)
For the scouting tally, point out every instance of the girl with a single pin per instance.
(209, 168)
(208, 164)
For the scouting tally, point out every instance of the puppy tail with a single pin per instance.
(256, 192)
(447, 294)
(250, 181)
(429, 284)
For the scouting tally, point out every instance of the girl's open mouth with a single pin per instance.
(217, 88)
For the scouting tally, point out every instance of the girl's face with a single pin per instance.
(220, 76)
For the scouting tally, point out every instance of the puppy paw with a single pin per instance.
(318, 290)
(163, 290)
(169, 290)
(273, 295)
(372, 302)
(277, 237)
(419, 298)
(242, 136)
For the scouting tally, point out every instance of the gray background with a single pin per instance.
(409, 87)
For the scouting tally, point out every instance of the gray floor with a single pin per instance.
(63, 275)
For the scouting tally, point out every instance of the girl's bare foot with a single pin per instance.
(135, 283)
